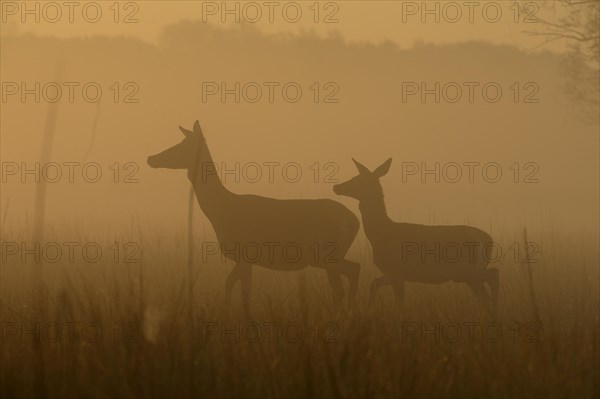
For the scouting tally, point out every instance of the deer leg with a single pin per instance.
(334, 273)
(335, 281)
(246, 280)
(233, 278)
(478, 288)
(352, 272)
(399, 291)
(493, 280)
(376, 285)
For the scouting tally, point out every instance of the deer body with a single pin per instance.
(419, 253)
(281, 234)
(273, 233)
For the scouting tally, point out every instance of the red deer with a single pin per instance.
(319, 232)
(419, 253)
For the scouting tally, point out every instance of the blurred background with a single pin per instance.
(363, 70)
(489, 110)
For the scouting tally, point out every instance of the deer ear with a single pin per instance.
(362, 169)
(185, 132)
(383, 168)
(197, 128)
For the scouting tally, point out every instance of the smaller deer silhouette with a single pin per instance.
(274, 233)
(419, 253)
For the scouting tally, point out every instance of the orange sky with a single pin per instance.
(357, 21)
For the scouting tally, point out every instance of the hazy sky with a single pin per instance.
(370, 83)
(402, 22)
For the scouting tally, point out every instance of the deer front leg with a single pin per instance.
(246, 279)
(352, 272)
(399, 290)
(243, 272)
(337, 287)
(376, 285)
(233, 278)
(347, 268)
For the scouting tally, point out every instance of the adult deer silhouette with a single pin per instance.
(273, 233)
(420, 253)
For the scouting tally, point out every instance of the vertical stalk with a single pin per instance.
(190, 267)
(536, 313)
(39, 219)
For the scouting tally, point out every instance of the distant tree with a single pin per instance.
(577, 23)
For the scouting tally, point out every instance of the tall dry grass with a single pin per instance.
(155, 342)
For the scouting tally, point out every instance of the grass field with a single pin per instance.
(115, 329)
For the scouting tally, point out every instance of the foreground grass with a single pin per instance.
(129, 330)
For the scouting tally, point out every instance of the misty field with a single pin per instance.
(111, 285)
(124, 326)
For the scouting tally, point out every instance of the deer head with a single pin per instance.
(184, 155)
(366, 184)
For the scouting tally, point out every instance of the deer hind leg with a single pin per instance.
(352, 271)
(335, 280)
(480, 292)
(243, 273)
(398, 291)
(376, 285)
(246, 280)
(233, 278)
(493, 280)
(335, 270)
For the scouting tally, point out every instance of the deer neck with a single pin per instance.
(374, 216)
(211, 194)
